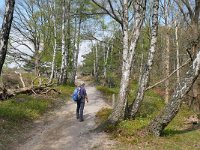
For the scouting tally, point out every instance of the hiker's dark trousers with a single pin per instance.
(79, 109)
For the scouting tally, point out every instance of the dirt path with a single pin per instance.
(62, 131)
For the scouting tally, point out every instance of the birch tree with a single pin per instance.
(63, 73)
(77, 40)
(147, 68)
(177, 52)
(55, 43)
(167, 49)
(193, 20)
(183, 87)
(75, 49)
(128, 48)
(106, 54)
(96, 68)
(5, 30)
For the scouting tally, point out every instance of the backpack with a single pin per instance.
(76, 94)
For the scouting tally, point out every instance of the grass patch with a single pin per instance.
(179, 121)
(178, 135)
(17, 114)
(25, 107)
(30, 109)
(65, 89)
(107, 91)
(103, 114)
(151, 105)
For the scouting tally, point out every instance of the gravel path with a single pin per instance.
(62, 131)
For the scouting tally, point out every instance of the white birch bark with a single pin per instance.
(128, 55)
(55, 44)
(76, 50)
(167, 51)
(167, 68)
(94, 59)
(21, 79)
(177, 52)
(106, 53)
(5, 30)
(146, 72)
(37, 56)
(63, 48)
(68, 40)
(96, 62)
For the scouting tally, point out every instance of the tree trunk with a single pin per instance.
(167, 51)
(5, 30)
(167, 68)
(54, 47)
(63, 79)
(194, 16)
(128, 55)
(171, 109)
(68, 40)
(96, 63)
(76, 52)
(106, 53)
(177, 53)
(146, 72)
(37, 58)
(72, 80)
(94, 59)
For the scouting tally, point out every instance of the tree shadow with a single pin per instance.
(172, 132)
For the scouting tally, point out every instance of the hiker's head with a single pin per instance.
(82, 84)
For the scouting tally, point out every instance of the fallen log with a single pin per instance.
(43, 89)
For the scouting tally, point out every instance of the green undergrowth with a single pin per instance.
(27, 108)
(108, 91)
(65, 90)
(177, 135)
(17, 114)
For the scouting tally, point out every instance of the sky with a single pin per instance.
(84, 46)
(2, 2)
(2, 6)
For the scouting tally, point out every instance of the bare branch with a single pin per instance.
(187, 4)
(21, 78)
(163, 80)
(113, 12)
(181, 9)
(108, 12)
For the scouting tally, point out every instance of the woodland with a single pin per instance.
(129, 49)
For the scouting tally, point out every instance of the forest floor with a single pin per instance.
(60, 130)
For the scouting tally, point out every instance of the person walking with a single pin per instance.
(81, 102)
